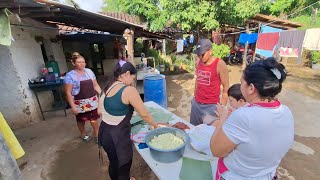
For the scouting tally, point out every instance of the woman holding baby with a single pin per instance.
(251, 142)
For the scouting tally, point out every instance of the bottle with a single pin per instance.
(53, 67)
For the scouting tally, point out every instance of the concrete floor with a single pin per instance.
(55, 152)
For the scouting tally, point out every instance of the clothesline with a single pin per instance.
(223, 34)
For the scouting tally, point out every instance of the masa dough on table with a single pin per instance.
(165, 171)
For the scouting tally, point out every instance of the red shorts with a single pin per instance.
(88, 116)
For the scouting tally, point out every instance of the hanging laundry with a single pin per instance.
(267, 41)
(264, 53)
(268, 29)
(191, 40)
(179, 46)
(292, 39)
(288, 52)
(248, 38)
(312, 39)
(5, 28)
(266, 44)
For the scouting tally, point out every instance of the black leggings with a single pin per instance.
(117, 171)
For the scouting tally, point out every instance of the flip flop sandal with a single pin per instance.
(86, 138)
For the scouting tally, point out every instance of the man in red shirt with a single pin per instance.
(211, 73)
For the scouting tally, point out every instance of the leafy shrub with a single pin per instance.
(220, 51)
(315, 57)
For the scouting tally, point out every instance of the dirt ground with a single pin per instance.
(55, 152)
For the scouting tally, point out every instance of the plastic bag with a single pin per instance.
(200, 137)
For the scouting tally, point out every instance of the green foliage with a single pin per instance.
(306, 21)
(280, 6)
(188, 62)
(287, 7)
(173, 58)
(220, 51)
(138, 47)
(190, 14)
(154, 53)
(315, 57)
(112, 6)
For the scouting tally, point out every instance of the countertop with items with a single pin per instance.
(193, 164)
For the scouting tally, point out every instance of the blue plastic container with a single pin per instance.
(155, 89)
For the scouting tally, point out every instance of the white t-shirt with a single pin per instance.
(263, 136)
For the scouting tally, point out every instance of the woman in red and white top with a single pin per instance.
(252, 141)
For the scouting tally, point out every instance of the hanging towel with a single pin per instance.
(248, 38)
(292, 39)
(195, 170)
(5, 29)
(268, 29)
(179, 46)
(264, 53)
(312, 39)
(267, 41)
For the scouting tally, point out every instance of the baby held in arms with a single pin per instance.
(200, 135)
(236, 100)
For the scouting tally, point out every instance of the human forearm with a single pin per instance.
(148, 118)
(70, 100)
(224, 98)
(98, 89)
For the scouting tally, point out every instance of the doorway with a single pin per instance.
(97, 54)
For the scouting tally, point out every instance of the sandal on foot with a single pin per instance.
(86, 138)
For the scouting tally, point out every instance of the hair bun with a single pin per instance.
(271, 63)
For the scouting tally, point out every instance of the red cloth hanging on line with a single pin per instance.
(267, 41)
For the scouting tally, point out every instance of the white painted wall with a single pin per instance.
(20, 62)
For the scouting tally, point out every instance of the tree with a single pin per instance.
(283, 8)
(189, 14)
(112, 6)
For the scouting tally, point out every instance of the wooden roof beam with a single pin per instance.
(272, 25)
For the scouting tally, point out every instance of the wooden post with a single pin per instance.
(255, 49)
(244, 61)
(129, 36)
(164, 47)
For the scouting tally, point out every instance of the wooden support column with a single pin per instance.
(164, 47)
(129, 36)
(244, 61)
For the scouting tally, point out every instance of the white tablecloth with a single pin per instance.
(171, 171)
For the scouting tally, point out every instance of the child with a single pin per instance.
(236, 99)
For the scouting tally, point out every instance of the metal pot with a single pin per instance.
(167, 156)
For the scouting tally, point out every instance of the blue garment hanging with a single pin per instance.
(248, 38)
(268, 29)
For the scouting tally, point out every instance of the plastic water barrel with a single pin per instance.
(155, 89)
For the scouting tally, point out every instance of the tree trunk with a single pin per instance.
(198, 32)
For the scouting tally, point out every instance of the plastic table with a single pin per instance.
(165, 171)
